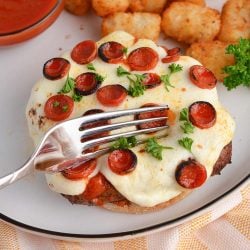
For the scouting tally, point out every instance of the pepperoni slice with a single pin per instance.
(96, 186)
(190, 174)
(56, 68)
(122, 161)
(143, 58)
(86, 84)
(173, 55)
(202, 77)
(151, 80)
(111, 95)
(202, 114)
(111, 52)
(93, 125)
(80, 172)
(152, 114)
(58, 107)
(84, 52)
(174, 51)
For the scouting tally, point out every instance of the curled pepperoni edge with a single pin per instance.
(138, 61)
(80, 172)
(197, 122)
(62, 71)
(95, 84)
(112, 101)
(103, 52)
(128, 163)
(173, 55)
(54, 113)
(190, 174)
(151, 80)
(196, 77)
(79, 57)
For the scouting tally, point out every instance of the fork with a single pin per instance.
(63, 147)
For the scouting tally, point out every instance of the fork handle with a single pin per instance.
(23, 171)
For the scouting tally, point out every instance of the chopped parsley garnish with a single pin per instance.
(154, 148)
(239, 73)
(68, 86)
(90, 66)
(184, 115)
(56, 104)
(187, 126)
(136, 88)
(125, 51)
(65, 108)
(173, 68)
(165, 80)
(124, 143)
(186, 143)
(121, 71)
(76, 97)
(99, 78)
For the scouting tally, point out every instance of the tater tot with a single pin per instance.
(77, 7)
(197, 2)
(212, 55)
(139, 24)
(235, 20)
(156, 6)
(189, 23)
(107, 7)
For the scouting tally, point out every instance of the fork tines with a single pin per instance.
(90, 132)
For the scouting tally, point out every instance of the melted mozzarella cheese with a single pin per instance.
(153, 181)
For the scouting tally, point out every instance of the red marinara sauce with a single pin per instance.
(23, 19)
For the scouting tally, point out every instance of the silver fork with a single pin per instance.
(62, 146)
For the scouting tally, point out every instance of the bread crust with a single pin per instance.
(122, 205)
(135, 209)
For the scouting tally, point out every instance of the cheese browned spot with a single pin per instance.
(152, 182)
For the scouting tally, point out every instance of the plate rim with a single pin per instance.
(125, 234)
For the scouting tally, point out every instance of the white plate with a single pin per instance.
(30, 205)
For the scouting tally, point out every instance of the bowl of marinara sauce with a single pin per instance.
(21, 20)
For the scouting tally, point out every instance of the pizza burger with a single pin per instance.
(117, 73)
